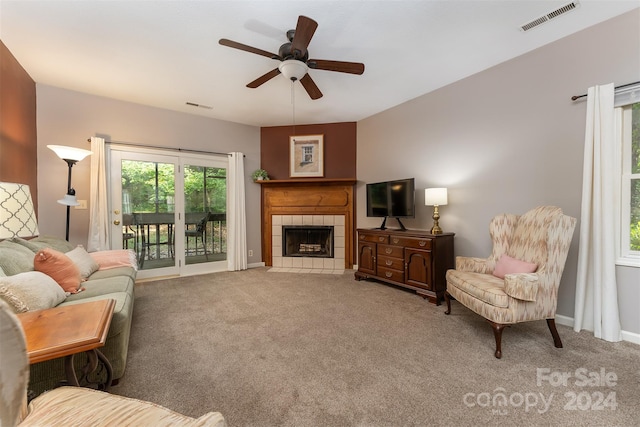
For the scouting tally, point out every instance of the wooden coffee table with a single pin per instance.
(69, 330)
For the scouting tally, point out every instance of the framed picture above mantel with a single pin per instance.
(306, 156)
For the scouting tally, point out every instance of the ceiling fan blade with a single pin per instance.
(304, 31)
(339, 66)
(310, 86)
(240, 46)
(264, 78)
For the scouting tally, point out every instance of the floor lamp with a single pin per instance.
(71, 155)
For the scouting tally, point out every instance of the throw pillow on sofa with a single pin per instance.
(42, 242)
(15, 258)
(85, 262)
(29, 291)
(60, 267)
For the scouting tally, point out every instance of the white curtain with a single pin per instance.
(236, 215)
(98, 209)
(596, 304)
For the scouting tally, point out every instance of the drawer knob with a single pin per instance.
(388, 274)
(388, 262)
(381, 239)
(388, 250)
(395, 240)
(422, 242)
(361, 237)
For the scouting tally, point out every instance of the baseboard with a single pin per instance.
(255, 265)
(632, 337)
(564, 320)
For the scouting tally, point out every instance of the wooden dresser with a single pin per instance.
(413, 259)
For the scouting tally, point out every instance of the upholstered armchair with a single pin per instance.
(519, 281)
(66, 406)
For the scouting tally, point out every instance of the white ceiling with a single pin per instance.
(166, 53)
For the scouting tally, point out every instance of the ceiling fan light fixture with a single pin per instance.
(293, 69)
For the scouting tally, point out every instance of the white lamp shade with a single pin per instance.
(435, 196)
(17, 217)
(293, 69)
(69, 200)
(69, 153)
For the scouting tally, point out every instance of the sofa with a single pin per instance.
(107, 274)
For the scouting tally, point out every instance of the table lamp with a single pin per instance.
(435, 197)
(17, 217)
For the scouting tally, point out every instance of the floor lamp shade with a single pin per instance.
(71, 155)
(17, 217)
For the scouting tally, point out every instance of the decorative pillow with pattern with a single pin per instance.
(60, 267)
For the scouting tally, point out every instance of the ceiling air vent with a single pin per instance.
(549, 16)
(193, 104)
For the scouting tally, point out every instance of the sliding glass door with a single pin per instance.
(205, 214)
(171, 210)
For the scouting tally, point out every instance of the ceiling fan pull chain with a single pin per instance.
(293, 107)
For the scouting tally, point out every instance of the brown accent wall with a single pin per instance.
(18, 136)
(339, 148)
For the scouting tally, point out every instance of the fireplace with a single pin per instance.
(307, 241)
(310, 203)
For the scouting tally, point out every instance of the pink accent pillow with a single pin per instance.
(508, 265)
(60, 268)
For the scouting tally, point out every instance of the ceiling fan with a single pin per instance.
(294, 58)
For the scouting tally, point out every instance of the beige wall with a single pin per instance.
(506, 140)
(68, 118)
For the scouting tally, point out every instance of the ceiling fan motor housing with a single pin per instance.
(285, 52)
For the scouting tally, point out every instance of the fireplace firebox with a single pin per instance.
(307, 241)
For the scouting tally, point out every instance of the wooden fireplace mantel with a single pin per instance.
(310, 196)
(297, 181)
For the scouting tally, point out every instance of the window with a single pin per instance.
(629, 126)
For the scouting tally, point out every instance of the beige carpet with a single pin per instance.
(287, 349)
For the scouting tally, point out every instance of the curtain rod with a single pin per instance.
(186, 150)
(574, 97)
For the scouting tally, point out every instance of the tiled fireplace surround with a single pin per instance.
(308, 264)
(308, 202)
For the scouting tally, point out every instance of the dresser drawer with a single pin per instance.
(366, 237)
(389, 274)
(411, 242)
(389, 262)
(391, 251)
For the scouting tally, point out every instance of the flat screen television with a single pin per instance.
(391, 199)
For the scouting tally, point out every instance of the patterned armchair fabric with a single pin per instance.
(541, 236)
(65, 406)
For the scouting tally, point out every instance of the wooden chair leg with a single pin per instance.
(551, 323)
(497, 333)
(447, 299)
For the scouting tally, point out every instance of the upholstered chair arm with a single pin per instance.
(523, 286)
(473, 265)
